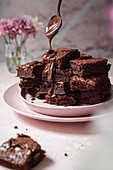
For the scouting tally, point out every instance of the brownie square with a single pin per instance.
(20, 153)
(85, 56)
(94, 96)
(63, 57)
(30, 70)
(86, 67)
(61, 100)
(89, 83)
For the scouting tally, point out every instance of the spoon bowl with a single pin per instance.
(53, 26)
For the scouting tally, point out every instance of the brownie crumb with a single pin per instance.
(16, 127)
(26, 129)
(66, 154)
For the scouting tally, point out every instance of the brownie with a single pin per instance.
(99, 81)
(61, 88)
(30, 70)
(95, 99)
(61, 100)
(20, 153)
(58, 59)
(29, 83)
(63, 57)
(86, 67)
(93, 96)
(85, 56)
(60, 54)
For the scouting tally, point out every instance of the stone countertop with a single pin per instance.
(66, 144)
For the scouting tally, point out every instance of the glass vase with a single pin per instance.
(15, 56)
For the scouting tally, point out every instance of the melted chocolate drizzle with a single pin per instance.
(48, 58)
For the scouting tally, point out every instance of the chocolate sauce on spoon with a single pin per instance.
(54, 25)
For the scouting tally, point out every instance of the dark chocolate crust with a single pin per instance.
(21, 153)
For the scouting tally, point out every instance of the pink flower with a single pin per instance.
(12, 27)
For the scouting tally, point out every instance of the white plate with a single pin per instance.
(13, 101)
(53, 110)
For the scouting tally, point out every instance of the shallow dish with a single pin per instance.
(13, 101)
(41, 107)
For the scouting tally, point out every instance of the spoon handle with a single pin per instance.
(59, 4)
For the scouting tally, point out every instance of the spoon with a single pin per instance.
(54, 25)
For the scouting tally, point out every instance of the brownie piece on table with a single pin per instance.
(86, 67)
(29, 83)
(61, 88)
(30, 70)
(21, 153)
(61, 100)
(99, 81)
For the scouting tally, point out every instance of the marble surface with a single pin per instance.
(84, 25)
(74, 139)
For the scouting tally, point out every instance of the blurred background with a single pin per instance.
(84, 25)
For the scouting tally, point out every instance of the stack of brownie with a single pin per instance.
(56, 76)
(90, 80)
(30, 77)
(66, 77)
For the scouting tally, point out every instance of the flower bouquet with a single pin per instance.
(15, 33)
